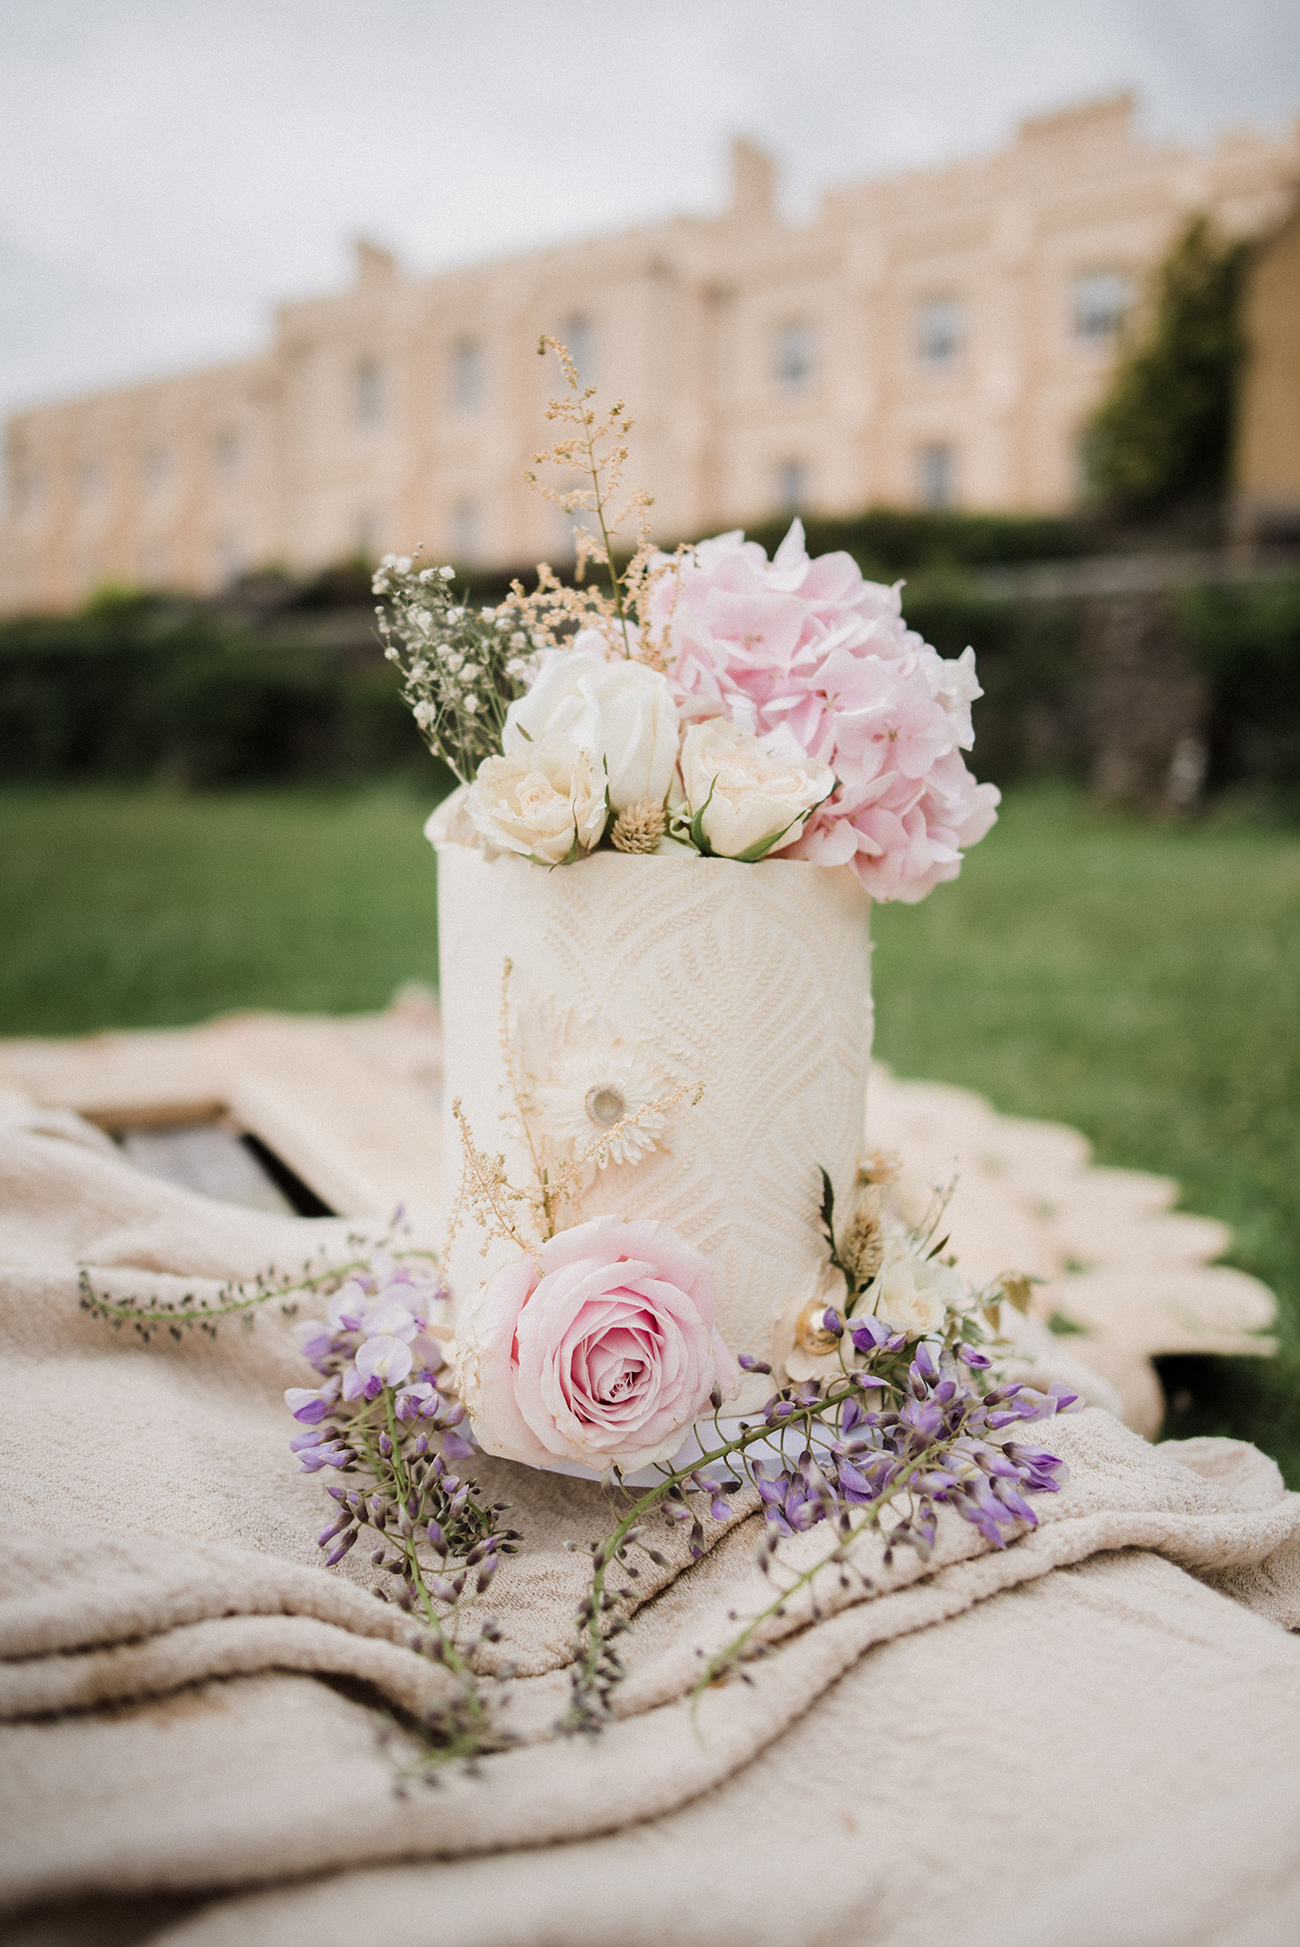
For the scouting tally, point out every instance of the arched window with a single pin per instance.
(466, 533)
(578, 333)
(791, 487)
(369, 392)
(467, 375)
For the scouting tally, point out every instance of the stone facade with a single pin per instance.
(938, 337)
(1267, 481)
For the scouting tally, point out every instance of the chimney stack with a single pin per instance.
(753, 181)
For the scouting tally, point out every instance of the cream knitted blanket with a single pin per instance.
(1092, 1736)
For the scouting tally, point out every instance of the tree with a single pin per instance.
(1163, 432)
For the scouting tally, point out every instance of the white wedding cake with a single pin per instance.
(629, 977)
(678, 797)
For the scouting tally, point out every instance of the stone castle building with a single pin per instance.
(936, 338)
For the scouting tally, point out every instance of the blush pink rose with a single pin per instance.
(810, 646)
(600, 1349)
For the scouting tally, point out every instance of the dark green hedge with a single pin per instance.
(151, 689)
(1247, 640)
(147, 688)
(890, 541)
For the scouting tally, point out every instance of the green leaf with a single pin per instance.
(754, 853)
(698, 840)
(828, 1212)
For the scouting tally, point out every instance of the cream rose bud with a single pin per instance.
(541, 803)
(621, 711)
(915, 1293)
(748, 794)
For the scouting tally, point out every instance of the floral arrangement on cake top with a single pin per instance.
(710, 699)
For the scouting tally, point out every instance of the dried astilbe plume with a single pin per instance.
(485, 1192)
(639, 827)
(595, 449)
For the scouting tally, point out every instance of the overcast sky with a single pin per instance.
(170, 169)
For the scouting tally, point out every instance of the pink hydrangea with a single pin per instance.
(812, 645)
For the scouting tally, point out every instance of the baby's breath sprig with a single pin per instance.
(461, 668)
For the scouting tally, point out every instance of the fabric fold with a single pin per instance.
(192, 1703)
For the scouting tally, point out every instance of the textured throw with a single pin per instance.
(1091, 1737)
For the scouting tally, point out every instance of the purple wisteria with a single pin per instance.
(924, 1429)
(901, 1424)
(380, 1416)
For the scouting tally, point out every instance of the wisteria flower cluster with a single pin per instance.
(380, 1416)
(712, 700)
(906, 1420)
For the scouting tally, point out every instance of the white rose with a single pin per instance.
(621, 711)
(915, 1294)
(542, 803)
(745, 795)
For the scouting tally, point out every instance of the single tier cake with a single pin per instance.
(742, 991)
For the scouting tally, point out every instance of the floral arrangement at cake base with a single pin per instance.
(599, 1344)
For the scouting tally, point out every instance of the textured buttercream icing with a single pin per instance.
(629, 977)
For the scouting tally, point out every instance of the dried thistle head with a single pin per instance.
(863, 1249)
(639, 827)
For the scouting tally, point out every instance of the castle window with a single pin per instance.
(936, 476)
(578, 333)
(467, 375)
(1101, 304)
(796, 354)
(940, 328)
(791, 487)
(466, 533)
(369, 393)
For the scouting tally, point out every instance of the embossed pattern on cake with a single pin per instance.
(632, 975)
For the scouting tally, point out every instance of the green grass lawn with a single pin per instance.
(1139, 981)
